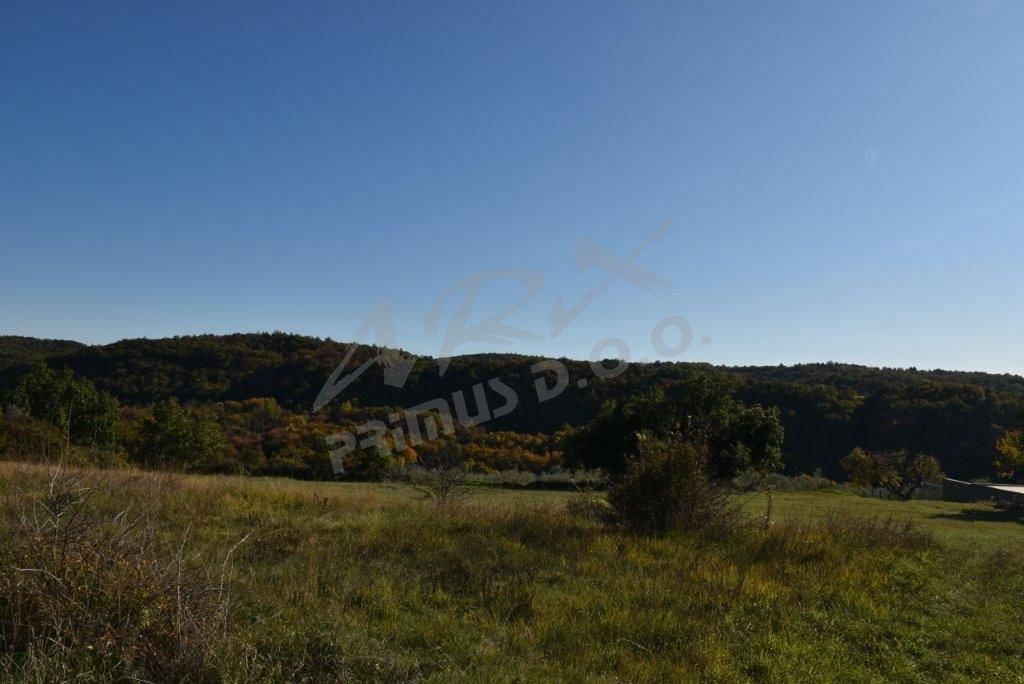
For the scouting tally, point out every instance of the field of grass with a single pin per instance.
(325, 581)
(957, 525)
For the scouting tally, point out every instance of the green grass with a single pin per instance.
(962, 526)
(365, 582)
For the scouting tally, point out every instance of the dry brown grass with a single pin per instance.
(83, 589)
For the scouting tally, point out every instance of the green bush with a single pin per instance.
(665, 486)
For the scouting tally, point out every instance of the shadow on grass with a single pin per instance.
(983, 515)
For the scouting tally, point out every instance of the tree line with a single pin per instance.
(257, 389)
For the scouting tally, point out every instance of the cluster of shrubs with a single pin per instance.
(756, 482)
(667, 483)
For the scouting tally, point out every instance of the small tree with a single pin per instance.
(176, 437)
(440, 476)
(443, 486)
(76, 410)
(898, 472)
(1010, 462)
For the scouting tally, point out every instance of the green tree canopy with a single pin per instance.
(80, 412)
(176, 437)
(898, 472)
(736, 436)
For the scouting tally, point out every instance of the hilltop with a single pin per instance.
(15, 350)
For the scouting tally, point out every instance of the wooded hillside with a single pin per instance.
(826, 409)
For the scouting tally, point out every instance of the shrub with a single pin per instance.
(665, 486)
(755, 482)
(440, 476)
(442, 486)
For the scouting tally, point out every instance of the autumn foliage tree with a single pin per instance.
(1010, 462)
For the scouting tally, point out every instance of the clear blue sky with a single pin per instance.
(847, 178)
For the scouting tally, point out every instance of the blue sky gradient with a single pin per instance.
(847, 180)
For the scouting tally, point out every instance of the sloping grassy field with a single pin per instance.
(320, 581)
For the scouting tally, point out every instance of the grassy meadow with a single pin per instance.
(236, 579)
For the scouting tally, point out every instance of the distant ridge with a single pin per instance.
(286, 366)
(16, 350)
(826, 408)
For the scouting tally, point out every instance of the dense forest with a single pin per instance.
(243, 402)
(20, 350)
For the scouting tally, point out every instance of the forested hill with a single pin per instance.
(826, 409)
(19, 350)
(865, 379)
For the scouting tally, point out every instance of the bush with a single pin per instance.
(442, 486)
(757, 482)
(665, 486)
